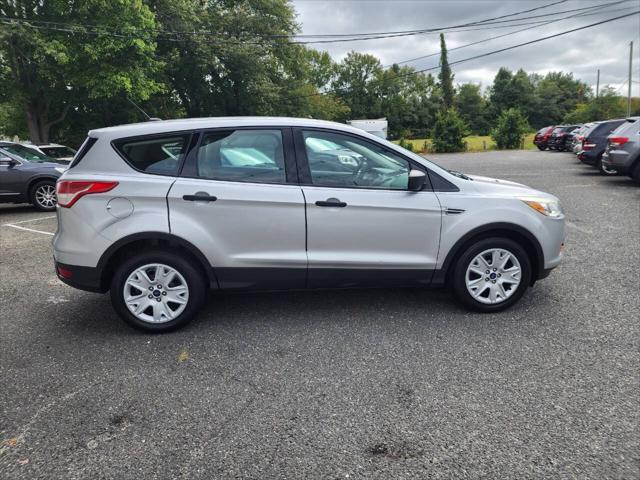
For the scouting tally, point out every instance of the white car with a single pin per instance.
(59, 152)
(159, 212)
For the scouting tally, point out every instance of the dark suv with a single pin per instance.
(595, 143)
(560, 137)
(28, 176)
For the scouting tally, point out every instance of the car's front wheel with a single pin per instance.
(492, 274)
(43, 196)
(157, 291)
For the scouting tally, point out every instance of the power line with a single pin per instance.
(475, 57)
(207, 33)
(537, 25)
(81, 29)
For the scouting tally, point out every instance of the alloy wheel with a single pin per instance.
(45, 196)
(493, 276)
(156, 293)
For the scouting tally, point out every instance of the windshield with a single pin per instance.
(58, 152)
(27, 153)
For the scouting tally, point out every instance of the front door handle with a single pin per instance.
(200, 197)
(331, 202)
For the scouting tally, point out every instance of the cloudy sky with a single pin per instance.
(604, 47)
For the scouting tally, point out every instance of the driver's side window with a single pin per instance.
(337, 160)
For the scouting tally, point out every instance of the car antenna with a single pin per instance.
(149, 119)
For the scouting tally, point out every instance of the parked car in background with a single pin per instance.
(595, 142)
(53, 150)
(577, 136)
(158, 212)
(28, 176)
(622, 153)
(541, 138)
(559, 136)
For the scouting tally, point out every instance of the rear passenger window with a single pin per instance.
(159, 155)
(242, 156)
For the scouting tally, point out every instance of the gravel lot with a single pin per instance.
(337, 384)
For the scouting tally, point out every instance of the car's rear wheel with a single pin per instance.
(492, 274)
(603, 169)
(43, 196)
(635, 173)
(541, 147)
(157, 291)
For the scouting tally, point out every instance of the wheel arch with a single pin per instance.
(519, 234)
(137, 242)
(36, 179)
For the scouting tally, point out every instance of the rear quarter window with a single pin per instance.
(159, 155)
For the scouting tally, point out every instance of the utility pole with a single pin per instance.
(630, 82)
(598, 84)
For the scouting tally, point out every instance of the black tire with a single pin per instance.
(465, 259)
(601, 169)
(635, 173)
(40, 194)
(194, 278)
(541, 147)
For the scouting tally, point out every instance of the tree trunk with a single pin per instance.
(36, 124)
(38, 120)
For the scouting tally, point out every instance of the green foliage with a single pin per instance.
(510, 129)
(448, 132)
(405, 144)
(49, 72)
(607, 106)
(445, 77)
(472, 107)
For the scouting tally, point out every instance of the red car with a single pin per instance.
(541, 140)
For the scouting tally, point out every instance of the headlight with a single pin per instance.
(60, 169)
(549, 208)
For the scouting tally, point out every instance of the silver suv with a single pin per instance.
(159, 212)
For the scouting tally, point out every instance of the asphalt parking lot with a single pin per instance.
(337, 384)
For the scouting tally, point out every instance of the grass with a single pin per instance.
(475, 143)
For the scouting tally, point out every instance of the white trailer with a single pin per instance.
(376, 126)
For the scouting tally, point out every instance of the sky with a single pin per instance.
(604, 47)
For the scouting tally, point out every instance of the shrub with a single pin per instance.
(404, 143)
(510, 129)
(448, 132)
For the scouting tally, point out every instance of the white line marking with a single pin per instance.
(31, 220)
(28, 229)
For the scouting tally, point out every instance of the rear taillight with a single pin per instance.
(586, 145)
(70, 191)
(580, 138)
(64, 272)
(617, 141)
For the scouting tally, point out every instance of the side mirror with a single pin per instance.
(7, 162)
(417, 179)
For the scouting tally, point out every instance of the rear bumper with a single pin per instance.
(82, 278)
(617, 159)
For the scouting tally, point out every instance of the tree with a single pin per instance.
(607, 106)
(510, 129)
(448, 132)
(472, 107)
(356, 82)
(53, 71)
(557, 94)
(445, 77)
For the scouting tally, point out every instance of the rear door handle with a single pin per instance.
(331, 202)
(200, 197)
